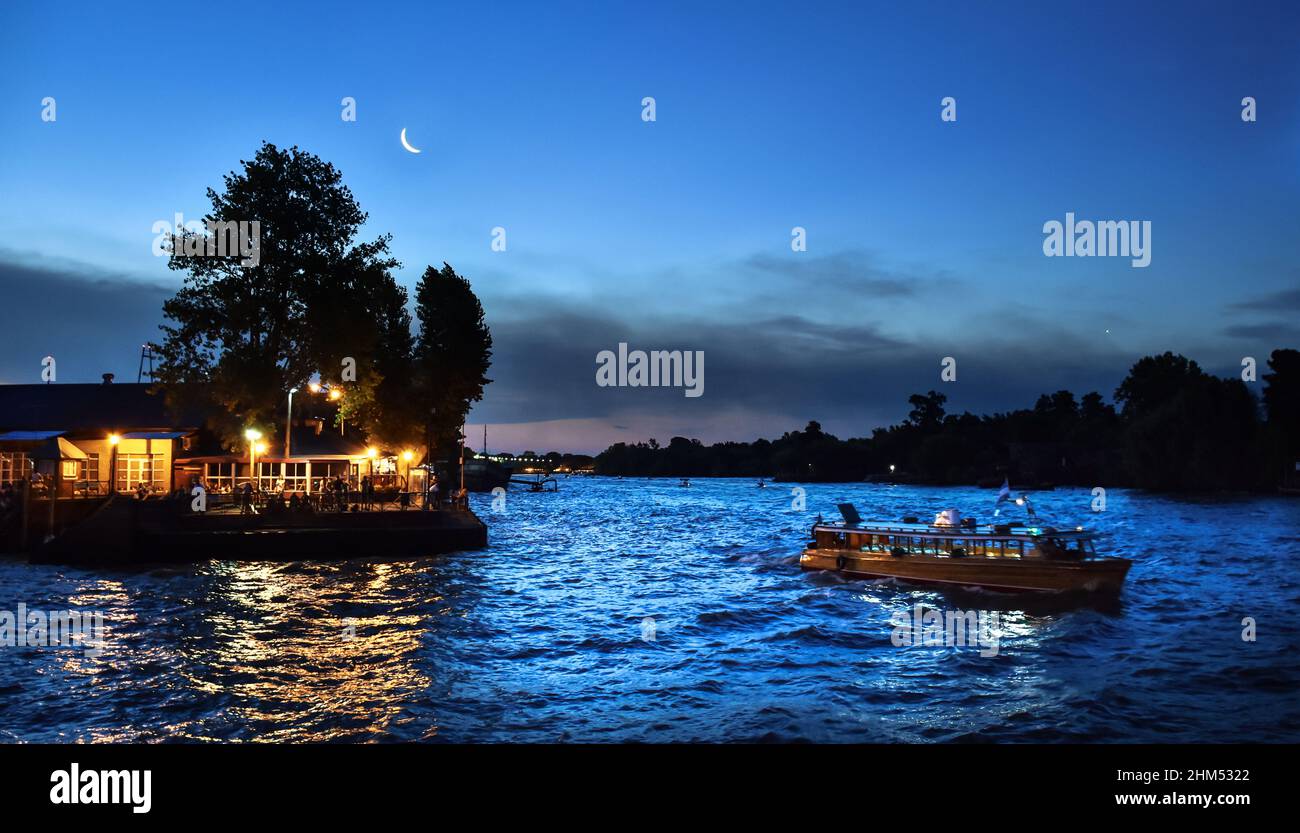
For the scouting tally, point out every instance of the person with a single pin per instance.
(365, 493)
(433, 489)
(246, 499)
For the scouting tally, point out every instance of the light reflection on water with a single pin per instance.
(539, 638)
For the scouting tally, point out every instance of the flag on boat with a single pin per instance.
(1003, 494)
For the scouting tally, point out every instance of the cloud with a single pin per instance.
(1286, 299)
(855, 270)
(90, 320)
(767, 375)
(1275, 332)
(1272, 331)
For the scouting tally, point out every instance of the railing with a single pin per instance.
(351, 500)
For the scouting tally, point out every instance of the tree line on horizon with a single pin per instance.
(1172, 427)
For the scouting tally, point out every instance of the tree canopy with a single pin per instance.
(316, 301)
(452, 354)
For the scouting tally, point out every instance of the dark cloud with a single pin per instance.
(1271, 331)
(91, 321)
(770, 365)
(1276, 332)
(1287, 299)
(779, 371)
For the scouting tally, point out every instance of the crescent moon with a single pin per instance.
(407, 144)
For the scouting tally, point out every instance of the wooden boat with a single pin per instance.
(956, 552)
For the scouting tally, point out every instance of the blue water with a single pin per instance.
(540, 637)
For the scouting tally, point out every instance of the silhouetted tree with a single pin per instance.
(251, 332)
(1180, 429)
(1282, 404)
(452, 354)
(927, 410)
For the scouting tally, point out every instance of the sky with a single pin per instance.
(924, 236)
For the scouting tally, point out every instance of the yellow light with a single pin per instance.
(335, 393)
(314, 387)
(408, 456)
(114, 439)
(371, 452)
(260, 448)
(252, 434)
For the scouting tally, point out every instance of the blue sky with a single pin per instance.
(924, 237)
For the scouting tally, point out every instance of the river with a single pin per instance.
(639, 610)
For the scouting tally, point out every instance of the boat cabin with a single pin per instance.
(990, 541)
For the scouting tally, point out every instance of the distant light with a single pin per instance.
(371, 452)
(891, 466)
(335, 393)
(314, 387)
(1020, 501)
(252, 434)
(408, 456)
(114, 439)
(260, 448)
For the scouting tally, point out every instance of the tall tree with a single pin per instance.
(453, 351)
(1282, 404)
(1154, 381)
(253, 330)
(927, 410)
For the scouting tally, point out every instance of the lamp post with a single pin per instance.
(288, 422)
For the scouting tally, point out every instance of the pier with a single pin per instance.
(122, 530)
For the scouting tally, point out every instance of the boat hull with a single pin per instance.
(1102, 575)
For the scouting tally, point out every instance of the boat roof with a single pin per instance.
(1019, 531)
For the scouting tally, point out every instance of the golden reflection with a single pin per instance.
(285, 659)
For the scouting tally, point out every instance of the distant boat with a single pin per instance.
(761, 484)
(539, 484)
(685, 482)
(482, 475)
(952, 551)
